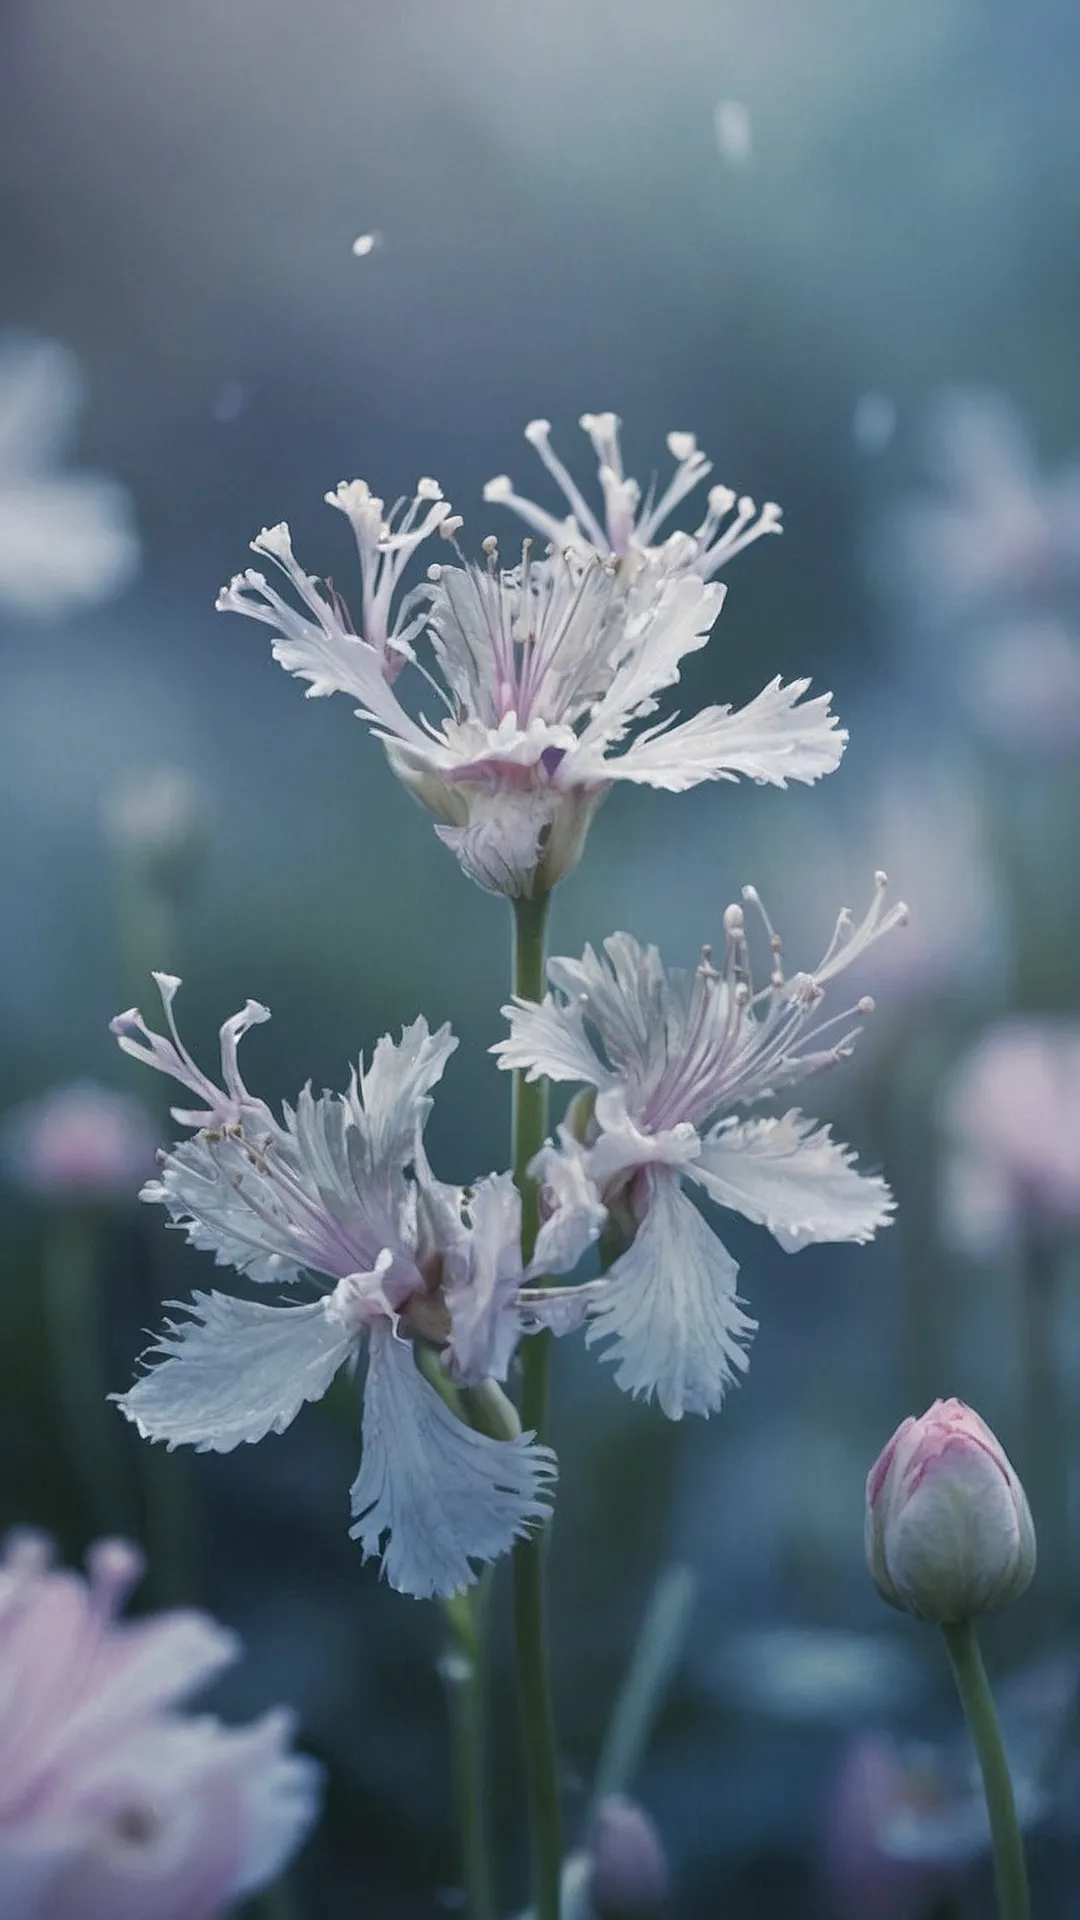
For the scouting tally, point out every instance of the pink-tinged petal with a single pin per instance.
(280, 1797)
(441, 1495)
(949, 1533)
(671, 1310)
(112, 1805)
(790, 1175)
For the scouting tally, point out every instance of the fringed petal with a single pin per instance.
(791, 1176)
(671, 1311)
(236, 1370)
(441, 1495)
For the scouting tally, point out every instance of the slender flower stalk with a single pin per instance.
(529, 1110)
(462, 1672)
(1010, 1870)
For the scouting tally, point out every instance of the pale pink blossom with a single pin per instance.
(83, 1144)
(1011, 1114)
(114, 1805)
(878, 1791)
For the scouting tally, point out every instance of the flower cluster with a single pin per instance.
(545, 672)
(114, 1805)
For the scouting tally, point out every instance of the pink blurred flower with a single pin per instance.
(1012, 1117)
(907, 1817)
(876, 1790)
(114, 1806)
(949, 1533)
(80, 1143)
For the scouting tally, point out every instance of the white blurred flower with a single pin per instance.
(672, 1059)
(734, 132)
(1011, 1114)
(631, 524)
(544, 672)
(67, 540)
(115, 1805)
(82, 1144)
(156, 817)
(326, 1196)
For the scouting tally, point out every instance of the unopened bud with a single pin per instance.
(629, 1877)
(949, 1533)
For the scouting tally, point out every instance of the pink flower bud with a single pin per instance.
(949, 1532)
(628, 1878)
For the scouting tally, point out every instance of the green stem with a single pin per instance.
(979, 1711)
(94, 1429)
(463, 1666)
(530, 1625)
(462, 1670)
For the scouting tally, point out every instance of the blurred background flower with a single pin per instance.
(67, 540)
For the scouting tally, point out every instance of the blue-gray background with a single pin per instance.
(179, 192)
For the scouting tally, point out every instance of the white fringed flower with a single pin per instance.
(327, 1195)
(630, 524)
(67, 539)
(115, 1805)
(544, 671)
(671, 1058)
